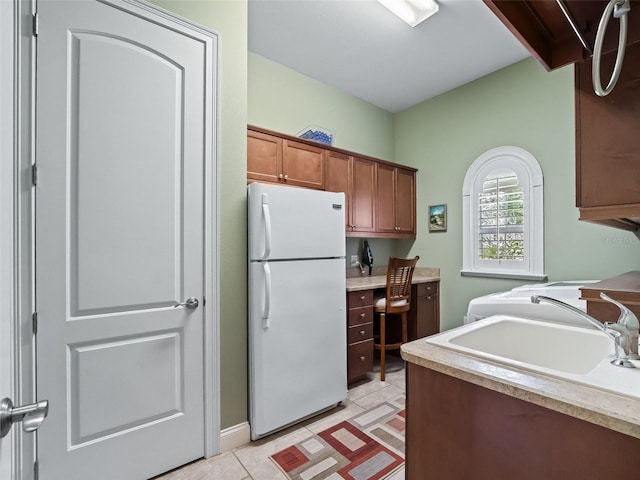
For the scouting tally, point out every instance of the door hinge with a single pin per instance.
(34, 322)
(34, 174)
(36, 24)
(36, 470)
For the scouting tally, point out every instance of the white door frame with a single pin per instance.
(16, 217)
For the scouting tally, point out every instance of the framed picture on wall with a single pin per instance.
(438, 218)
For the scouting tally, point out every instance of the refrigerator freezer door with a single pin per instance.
(297, 351)
(288, 222)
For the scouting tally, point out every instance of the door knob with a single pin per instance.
(30, 415)
(191, 303)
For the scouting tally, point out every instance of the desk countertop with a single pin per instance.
(420, 275)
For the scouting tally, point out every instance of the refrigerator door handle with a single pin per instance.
(267, 226)
(267, 295)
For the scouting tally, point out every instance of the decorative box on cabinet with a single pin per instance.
(277, 160)
(359, 334)
(356, 177)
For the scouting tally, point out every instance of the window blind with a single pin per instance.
(501, 219)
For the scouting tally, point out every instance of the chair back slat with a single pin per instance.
(399, 277)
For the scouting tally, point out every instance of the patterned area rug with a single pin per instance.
(369, 446)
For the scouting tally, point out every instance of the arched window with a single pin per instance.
(502, 209)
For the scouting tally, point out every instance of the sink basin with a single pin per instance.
(578, 354)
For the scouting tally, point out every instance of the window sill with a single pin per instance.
(510, 275)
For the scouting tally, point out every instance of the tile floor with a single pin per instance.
(251, 462)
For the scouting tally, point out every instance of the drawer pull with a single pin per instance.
(362, 315)
(363, 358)
(361, 332)
(362, 298)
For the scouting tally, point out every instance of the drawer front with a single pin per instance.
(359, 333)
(426, 289)
(360, 299)
(359, 359)
(360, 315)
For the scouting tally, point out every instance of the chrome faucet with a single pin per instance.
(361, 267)
(618, 333)
(629, 321)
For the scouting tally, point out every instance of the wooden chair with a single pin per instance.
(397, 301)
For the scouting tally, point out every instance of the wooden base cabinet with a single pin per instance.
(456, 430)
(424, 316)
(359, 334)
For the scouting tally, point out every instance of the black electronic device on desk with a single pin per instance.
(367, 256)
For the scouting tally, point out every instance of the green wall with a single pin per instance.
(286, 101)
(521, 105)
(229, 20)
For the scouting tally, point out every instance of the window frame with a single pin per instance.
(526, 168)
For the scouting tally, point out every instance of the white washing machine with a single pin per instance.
(518, 302)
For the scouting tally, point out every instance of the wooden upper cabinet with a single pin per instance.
(395, 201)
(543, 28)
(264, 157)
(608, 145)
(607, 140)
(277, 160)
(338, 179)
(380, 196)
(385, 199)
(363, 197)
(303, 165)
(356, 177)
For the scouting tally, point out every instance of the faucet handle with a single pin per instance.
(627, 317)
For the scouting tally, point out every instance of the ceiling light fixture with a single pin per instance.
(412, 11)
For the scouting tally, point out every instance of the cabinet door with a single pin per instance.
(338, 179)
(405, 201)
(303, 165)
(264, 157)
(607, 141)
(424, 316)
(362, 197)
(385, 201)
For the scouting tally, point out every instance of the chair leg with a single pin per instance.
(405, 336)
(383, 344)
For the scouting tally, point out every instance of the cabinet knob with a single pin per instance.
(361, 332)
(362, 315)
(280, 176)
(362, 358)
(285, 177)
(362, 297)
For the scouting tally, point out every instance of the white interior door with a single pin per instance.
(119, 242)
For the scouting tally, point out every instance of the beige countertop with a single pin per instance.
(379, 280)
(599, 407)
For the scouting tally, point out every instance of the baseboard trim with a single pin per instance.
(234, 437)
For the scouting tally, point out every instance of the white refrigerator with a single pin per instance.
(297, 304)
